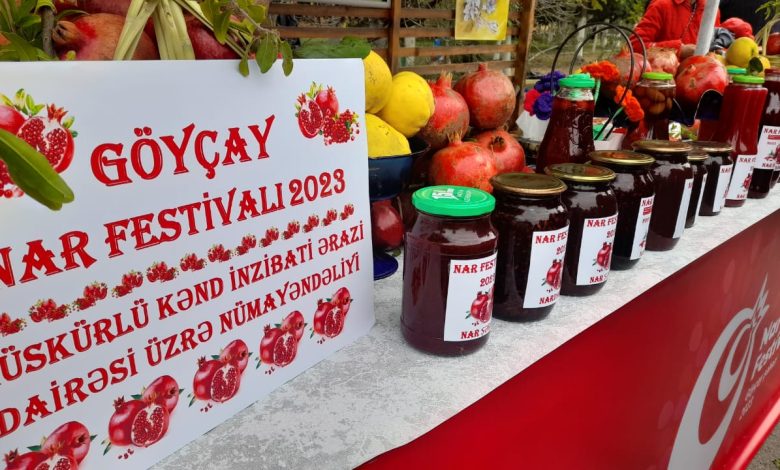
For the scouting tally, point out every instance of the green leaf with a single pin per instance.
(287, 58)
(221, 24)
(40, 4)
(258, 13)
(68, 122)
(108, 447)
(26, 51)
(265, 56)
(29, 105)
(243, 66)
(34, 448)
(29, 21)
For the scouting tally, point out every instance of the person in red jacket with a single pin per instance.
(672, 23)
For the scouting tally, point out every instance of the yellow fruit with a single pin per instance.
(741, 51)
(383, 140)
(410, 104)
(765, 62)
(379, 81)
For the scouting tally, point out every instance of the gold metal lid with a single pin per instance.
(580, 173)
(664, 147)
(711, 146)
(698, 155)
(528, 184)
(621, 157)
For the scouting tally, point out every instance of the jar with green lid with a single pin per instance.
(708, 128)
(593, 216)
(449, 270)
(655, 93)
(635, 194)
(569, 134)
(533, 226)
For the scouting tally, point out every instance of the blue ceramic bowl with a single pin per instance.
(387, 176)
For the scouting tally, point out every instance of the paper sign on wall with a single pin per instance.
(218, 246)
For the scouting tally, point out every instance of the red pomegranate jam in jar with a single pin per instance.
(593, 217)
(673, 180)
(633, 187)
(697, 159)
(449, 270)
(569, 134)
(766, 171)
(532, 225)
(719, 165)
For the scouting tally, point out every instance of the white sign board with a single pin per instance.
(219, 245)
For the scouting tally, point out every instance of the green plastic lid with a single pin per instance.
(578, 80)
(657, 76)
(748, 79)
(736, 70)
(453, 201)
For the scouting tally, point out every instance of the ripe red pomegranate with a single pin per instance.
(490, 96)
(463, 164)
(10, 119)
(663, 59)
(205, 44)
(138, 423)
(278, 347)
(773, 44)
(451, 114)
(387, 227)
(163, 390)
(216, 380)
(342, 299)
(72, 438)
(295, 323)
(623, 63)
(328, 320)
(238, 351)
(39, 461)
(698, 74)
(95, 37)
(310, 117)
(115, 7)
(507, 151)
(328, 102)
(47, 135)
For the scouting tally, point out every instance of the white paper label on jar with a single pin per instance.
(546, 268)
(767, 144)
(642, 227)
(701, 196)
(721, 187)
(469, 299)
(740, 177)
(598, 236)
(683, 213)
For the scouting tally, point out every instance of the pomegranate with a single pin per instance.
(10, 119)
(164, 390)
(342, 299)
(328, 319)
(310, 116)
(328, 102)
(115, 7)
(623, 63)
(507, 151)
(205, 44)
(238, 351)
(48, 136)
(295, 323)
(481, 308)
(663, 59)
(95, 37)
(71, 438)
(490, 96)
(40, 461)
(463, 164)
(216, 380)
(278, 347)
(387, 227)
(451, 114)
(137, 422)
(698, 74)
(773, 44)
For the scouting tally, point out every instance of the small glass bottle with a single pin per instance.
(708, 128)
(697, 159)
(593, 216)
(673, 180)
(635, 194)
(532, 225)
(449, 270)
(569, 135)
(767, 166)
(719, 166)
(655, 93)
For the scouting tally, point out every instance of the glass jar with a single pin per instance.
(655, 93)
(569, 135)
(708, 126)
(449, 270)
(532, 226)
(593, 214)
(719, 165)
(741, 111)
(697, 159)
(673, 181)
(767, 167)
(633, 187)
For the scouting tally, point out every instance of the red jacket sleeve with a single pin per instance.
(648, 29)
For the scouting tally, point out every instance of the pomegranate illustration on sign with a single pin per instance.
(279, 345)
(482, 307)
(143, 419)
(49, 133)
(219, 378)
(318, 113)
(604, 256)
(63, 449)
(553, 277)
(331, 314)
